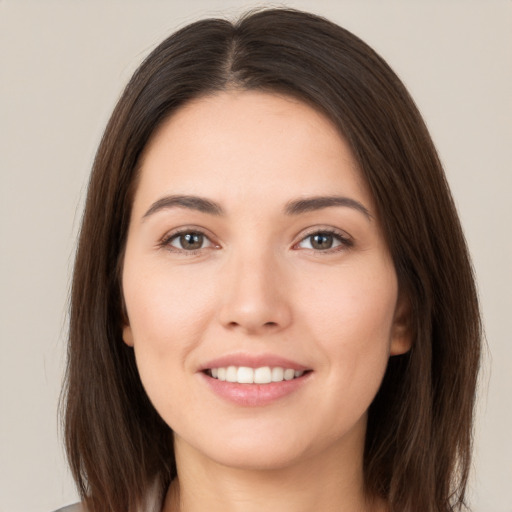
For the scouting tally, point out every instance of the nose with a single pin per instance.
(255, 298)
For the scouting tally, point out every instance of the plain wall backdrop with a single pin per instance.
(63, 65)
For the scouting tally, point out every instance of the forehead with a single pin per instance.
(249, 144)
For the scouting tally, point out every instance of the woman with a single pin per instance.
(273, 307)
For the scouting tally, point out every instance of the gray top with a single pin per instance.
(153, 502)
(77, 507)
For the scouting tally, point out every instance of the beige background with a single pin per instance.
(63, 65)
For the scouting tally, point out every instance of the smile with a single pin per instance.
(247, 375)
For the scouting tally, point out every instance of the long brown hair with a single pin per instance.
(418, 446)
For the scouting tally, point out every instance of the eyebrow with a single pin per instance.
(292, 208)
(319, 202)
(184, 201)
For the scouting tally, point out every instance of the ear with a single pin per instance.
(402, 332)
(127, 330)
(128, 335)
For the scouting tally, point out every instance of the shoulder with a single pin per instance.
(77, 507)
(152, 503)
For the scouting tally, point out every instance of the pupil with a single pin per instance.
(191, 241)
(322, 241)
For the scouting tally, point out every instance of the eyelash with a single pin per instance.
(166, 241)
(345, 242)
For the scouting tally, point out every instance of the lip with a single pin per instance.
(254, 395)
(253, 361)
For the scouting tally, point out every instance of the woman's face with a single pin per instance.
(254, 253)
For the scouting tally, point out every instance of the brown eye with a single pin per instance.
(189, 241)
(322, 241)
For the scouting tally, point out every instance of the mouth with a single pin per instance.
(254, 380)
(260, 375)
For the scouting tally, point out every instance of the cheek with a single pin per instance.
(359, 298)
(352, 320)
(165, 307)
(167, 314)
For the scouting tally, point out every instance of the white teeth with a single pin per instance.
(277, 374)
(289, 374)
(262, 375)
(231, 374)
(245, 375)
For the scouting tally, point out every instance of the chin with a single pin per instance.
(271, 447)
(259, 458)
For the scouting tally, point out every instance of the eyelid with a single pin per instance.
(346, 241)
(165, 240)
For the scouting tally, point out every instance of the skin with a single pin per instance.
(257, 285)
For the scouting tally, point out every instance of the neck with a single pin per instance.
(330, 481)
